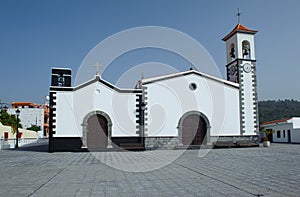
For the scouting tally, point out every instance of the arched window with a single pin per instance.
(232, 52)
(246, 49)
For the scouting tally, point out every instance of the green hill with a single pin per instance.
(280, 109)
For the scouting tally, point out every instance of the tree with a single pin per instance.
(268, 134)
(34, 128)
(278, 109)
(9, 120)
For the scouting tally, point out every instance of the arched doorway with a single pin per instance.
(193, 128)
(97, 132)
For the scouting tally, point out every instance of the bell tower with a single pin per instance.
(241, 69)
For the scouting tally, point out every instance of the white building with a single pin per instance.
(30, 114)
(182, 109)
(7, 137)
(285, 130)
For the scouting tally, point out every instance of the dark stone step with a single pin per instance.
(237, 144)
(132, 146)
(183, 147)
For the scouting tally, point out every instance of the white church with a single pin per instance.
(183, 109)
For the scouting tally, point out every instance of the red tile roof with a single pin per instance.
(239, 28)
(19, 104)
(275, 121)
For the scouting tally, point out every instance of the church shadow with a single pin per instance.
(41, 146)
(37, 148)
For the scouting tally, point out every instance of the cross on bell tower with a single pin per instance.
(238, 15)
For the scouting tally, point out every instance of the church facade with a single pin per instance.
(183, 109)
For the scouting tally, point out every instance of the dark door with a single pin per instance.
(193, 130)
(289, 136)
(5, 136)
(270, 137)
(97, 132)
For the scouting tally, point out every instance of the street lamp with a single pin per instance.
(5, 108)
(17, 134)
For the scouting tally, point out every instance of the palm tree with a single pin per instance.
(9, 120)
(267, 132)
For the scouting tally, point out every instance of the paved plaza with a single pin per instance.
(259, 171)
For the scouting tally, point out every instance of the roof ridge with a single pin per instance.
(168, 76)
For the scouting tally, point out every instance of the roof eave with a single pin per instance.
(166, 77)
(239, 29)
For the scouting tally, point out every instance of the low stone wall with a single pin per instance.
(233, 139)
(238, 138)
(152, 143)
(161, 142)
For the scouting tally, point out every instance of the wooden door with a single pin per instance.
(97, 132)
(194, 130)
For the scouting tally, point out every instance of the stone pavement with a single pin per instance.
(273, 171)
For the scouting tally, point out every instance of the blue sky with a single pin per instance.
(36, 35)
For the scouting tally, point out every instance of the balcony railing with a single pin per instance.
(10, 143)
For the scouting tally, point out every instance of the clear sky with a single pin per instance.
(36, 35)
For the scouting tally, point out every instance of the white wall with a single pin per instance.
(249, 101)
(65, 120)
(295, 135)
(9, 130)
(120, 107)
(169, 99)
(72, 107)
(296, 122)
(30, 116)
(280, 127)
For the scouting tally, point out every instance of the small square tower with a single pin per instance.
(61, 77)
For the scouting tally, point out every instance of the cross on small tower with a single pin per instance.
(97, 68)
(143, 75)
(238, 14)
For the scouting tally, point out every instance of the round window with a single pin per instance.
(193, 86)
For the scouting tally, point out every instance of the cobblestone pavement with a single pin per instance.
(273, 171)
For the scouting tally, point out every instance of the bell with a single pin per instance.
(245, 52)
(232, 53)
